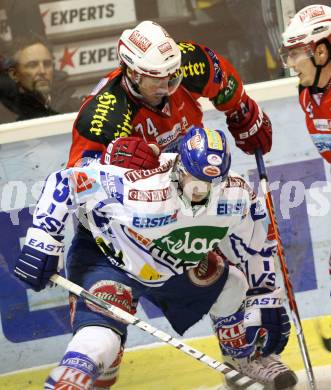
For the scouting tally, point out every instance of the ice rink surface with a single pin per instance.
(162, 367)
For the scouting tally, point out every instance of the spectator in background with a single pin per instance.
(253, 51)
(260, 44)
(37, 89)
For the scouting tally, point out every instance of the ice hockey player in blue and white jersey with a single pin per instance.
(189, 235)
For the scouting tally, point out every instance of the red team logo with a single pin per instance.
(114, 293)
(311, 13)
(82, 181)
(140, 41)
(134, 175)
(164, 48)
(150, 195)
(207, 272)
(233, 336)
(75, 379)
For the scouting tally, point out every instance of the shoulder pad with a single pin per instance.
(195, 66)
(233, 181)
(107, 115)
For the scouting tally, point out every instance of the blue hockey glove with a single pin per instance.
(266, 316)
(39, 259)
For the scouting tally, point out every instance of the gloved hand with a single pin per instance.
(39, 259)
(266, 316)
(131, 152)
(250, 126)
(210, 268)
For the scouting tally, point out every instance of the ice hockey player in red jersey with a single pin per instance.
(307, 50)
(154, 92)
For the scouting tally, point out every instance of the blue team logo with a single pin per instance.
(217, 66)
(61, 191)
(155, 220)
(322, 142)
(258, 211)
(113, 186)
(232, 207)
(174, 146)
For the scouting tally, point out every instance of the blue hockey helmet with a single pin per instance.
(205, 154)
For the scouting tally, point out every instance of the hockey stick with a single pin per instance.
(243, 382)
(286, 277)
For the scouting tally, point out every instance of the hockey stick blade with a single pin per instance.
(241, 381)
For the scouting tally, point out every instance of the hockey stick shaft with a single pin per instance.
(286, 277)
(243, 382)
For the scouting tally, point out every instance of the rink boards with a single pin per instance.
(35, 327)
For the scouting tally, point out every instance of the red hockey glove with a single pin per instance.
(131, 152)
(250, 126)
(209, 269)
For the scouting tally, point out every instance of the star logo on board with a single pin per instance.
(43, 16)
(66, 59)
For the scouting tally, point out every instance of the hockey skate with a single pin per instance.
(269, 371)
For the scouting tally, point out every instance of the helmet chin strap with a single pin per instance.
(320, 67)
(133, 86)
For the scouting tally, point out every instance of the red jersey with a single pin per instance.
(317, 108)
(111, 111)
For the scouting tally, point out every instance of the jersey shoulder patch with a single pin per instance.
(108, 114)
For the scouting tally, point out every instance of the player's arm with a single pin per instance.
(249, 125)
(42, 253)
(106, 115)
(250, 245)
(63, 193)
(247, 240)
(207, 74)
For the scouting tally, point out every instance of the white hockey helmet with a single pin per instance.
(149, 50)
(309, 26)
